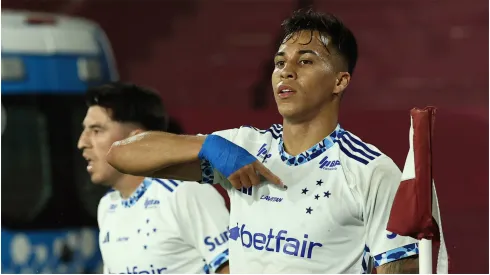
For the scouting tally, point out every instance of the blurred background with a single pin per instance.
(211, 60)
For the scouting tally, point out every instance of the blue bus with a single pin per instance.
(49, 205)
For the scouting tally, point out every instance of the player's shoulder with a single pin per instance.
(111, 196)
(177, 188)
(274, 131)
(250, 133)
(362, 156)
(108, 203)
(166, 186)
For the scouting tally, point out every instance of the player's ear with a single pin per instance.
(342, 81)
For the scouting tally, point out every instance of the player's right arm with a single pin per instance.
(158, 154)
(165, 155)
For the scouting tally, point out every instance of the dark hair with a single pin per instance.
(327, 24)
(130, 103)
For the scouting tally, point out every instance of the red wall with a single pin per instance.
(206, 57)
(412, 52)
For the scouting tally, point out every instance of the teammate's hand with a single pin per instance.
(248, 176)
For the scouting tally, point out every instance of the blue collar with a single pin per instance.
(311, 153)
(137, 193)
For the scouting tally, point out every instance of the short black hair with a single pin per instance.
(326, 24)
(130, 103)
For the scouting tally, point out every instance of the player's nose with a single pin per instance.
(288, 72)
(82, 141)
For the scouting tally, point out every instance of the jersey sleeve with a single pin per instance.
(383, 245)
(101, 212)
(211, 175)
(203, 219)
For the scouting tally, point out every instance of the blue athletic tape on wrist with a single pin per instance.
(224, 155)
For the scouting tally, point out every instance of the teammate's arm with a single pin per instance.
(224, 269)
(391, 253)
(404, 266)
(165, 155)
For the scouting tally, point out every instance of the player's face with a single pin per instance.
(100, 131)
(305, 79)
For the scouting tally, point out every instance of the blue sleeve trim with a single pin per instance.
(206, 269)
(365, 260)
(207, 172)
(396, 254)
(218, 261)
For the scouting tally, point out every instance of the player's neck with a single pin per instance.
(127, 184)
(301, 136)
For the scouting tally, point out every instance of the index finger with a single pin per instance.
(268, 175)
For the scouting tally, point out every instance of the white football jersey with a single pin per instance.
(332, 218)
(166, 226)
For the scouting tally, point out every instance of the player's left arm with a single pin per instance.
(204, 220)
(223, 269)
(408, 265)
(391, 253)
(101, 212)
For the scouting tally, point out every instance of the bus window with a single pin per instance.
(26, 178)
(45, 183)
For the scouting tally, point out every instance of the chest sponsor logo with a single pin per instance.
(213, 242)
(275, 241)
(136, 270)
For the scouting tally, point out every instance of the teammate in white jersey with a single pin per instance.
(332, 216)
(148, 225)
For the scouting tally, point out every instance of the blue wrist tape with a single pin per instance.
(224, 155)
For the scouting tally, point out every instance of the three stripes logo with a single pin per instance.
(246, 191)
(356, 149)
(170, 185)
(275, 130)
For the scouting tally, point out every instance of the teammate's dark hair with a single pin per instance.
(326, 24)
(130, 103)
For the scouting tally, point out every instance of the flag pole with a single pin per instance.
(425, 256)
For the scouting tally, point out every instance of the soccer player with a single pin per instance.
(323, 200)
(148, 225)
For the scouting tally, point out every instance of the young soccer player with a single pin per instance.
(324, 200)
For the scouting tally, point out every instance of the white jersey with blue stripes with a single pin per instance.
(331, 219)
(166, 226)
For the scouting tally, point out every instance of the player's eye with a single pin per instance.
(279, 64)
(304, 62)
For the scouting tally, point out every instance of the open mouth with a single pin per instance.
(89, 164)
(285, 91)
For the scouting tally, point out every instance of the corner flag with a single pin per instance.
(415, 211)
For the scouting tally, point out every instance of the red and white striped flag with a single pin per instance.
(415, 211)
